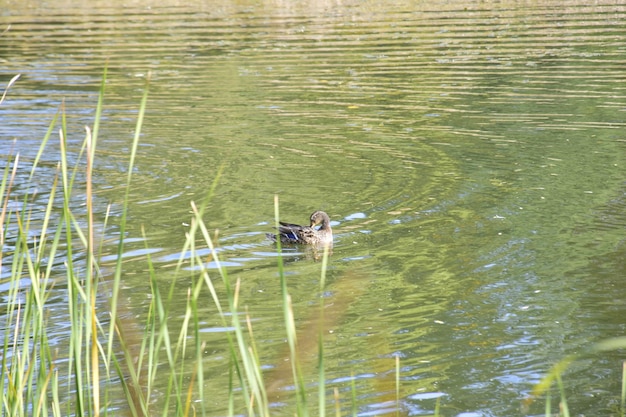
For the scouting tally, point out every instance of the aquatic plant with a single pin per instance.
(108, 364)
(104, 354)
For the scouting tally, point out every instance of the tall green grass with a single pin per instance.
(553, 376)
(106, 363)
(74, 378)
(109, 365)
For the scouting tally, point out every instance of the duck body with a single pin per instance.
(289, 233)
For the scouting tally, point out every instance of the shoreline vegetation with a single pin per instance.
(115, 365)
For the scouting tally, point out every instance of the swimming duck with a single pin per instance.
(306, 235)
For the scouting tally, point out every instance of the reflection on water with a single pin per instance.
(470, 156)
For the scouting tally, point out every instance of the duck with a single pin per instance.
(306, 235)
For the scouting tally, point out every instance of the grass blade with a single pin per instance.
(6, 90)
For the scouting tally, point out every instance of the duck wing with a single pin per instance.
(294, 233)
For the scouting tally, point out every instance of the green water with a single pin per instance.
(470, 155)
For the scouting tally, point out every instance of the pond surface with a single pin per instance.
(471, 156)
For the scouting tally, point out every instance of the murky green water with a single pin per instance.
(471, 156)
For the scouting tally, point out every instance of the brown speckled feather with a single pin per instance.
(307, 235)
